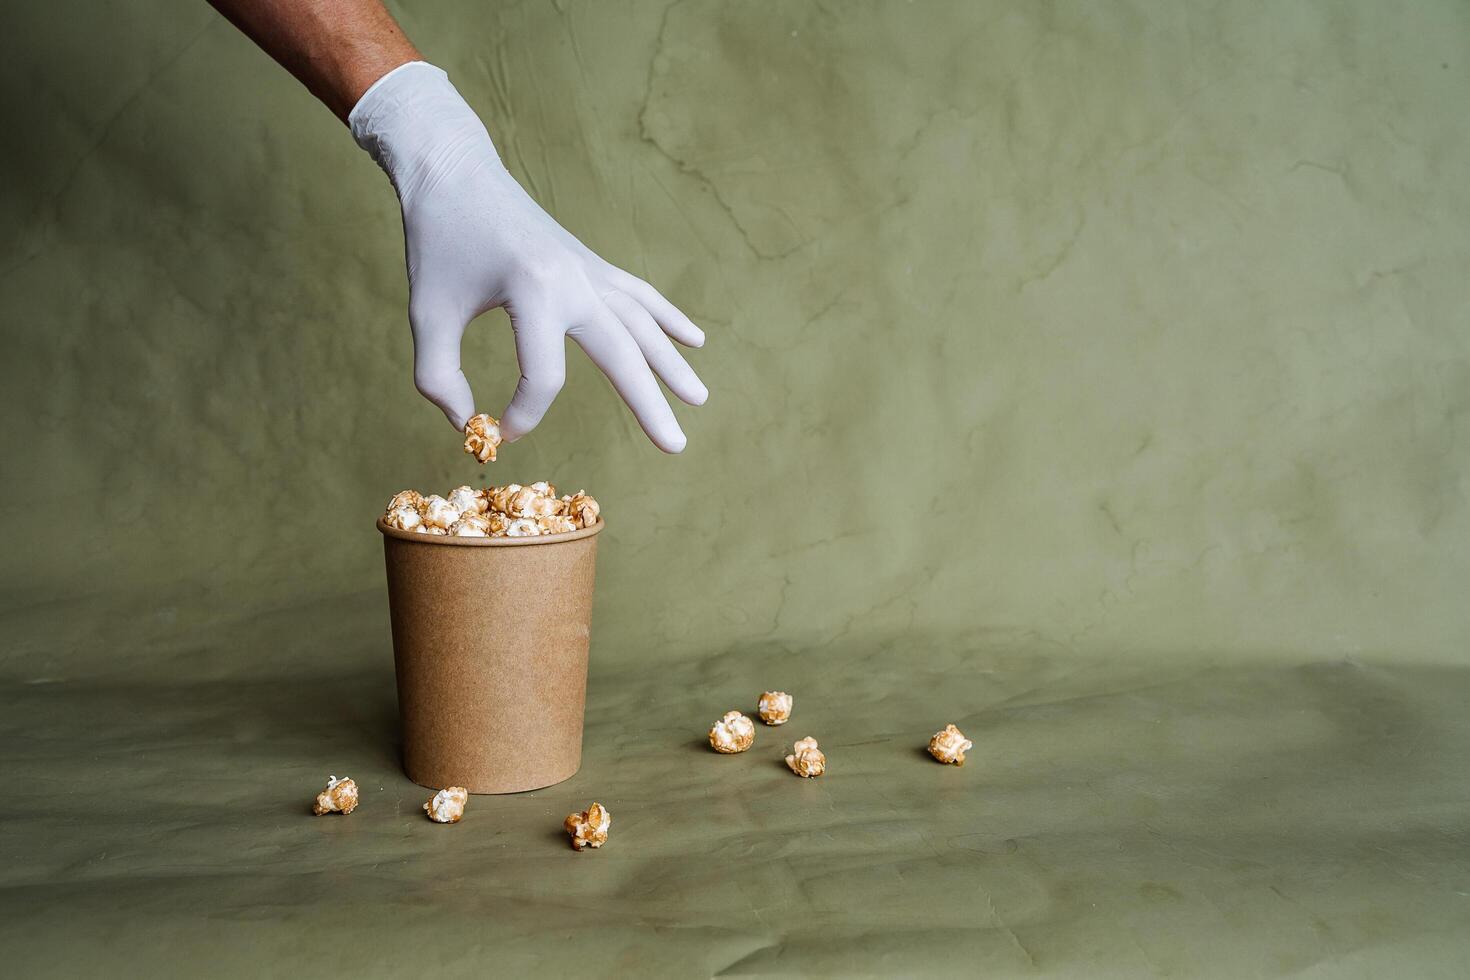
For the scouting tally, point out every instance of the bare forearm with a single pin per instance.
(336, 48)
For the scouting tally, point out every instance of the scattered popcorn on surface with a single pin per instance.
(732, 733)
(496, 512)
(775, 707)
(482, 437)
(447, 806)
(588, 828)
(806, 759)
(340, 796)
(950, 746)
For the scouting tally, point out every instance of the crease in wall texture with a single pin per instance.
(1110, 329)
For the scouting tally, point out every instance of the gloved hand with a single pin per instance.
(475, 241)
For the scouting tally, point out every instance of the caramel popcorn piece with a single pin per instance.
(431, 529)
(774, 707)
(467, 501)
(482, 437)
(732, 733)
(470, 526)
(950, 746)
(588, 828)
(556, 524)
(499, 497)
(522, 527)
(582, 509)
(527, 502)
(438, 512)
(806, 759)
(411, 499)
(340, 796)
(447, 806)
(404, 518)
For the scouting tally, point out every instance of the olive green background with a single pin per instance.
(1096, 376)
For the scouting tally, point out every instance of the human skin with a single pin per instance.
(336, 48)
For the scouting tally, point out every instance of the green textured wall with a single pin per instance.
(1124, 328)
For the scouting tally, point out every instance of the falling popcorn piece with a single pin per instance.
(775, 707)
(482, 437)
(447, 806)
(340, 796)
(732, 733)
(950, 746)
(588, 828)
(806, 759)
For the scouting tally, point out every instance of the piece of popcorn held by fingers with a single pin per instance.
(482, 437)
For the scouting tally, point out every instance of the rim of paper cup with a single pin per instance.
(488, 542)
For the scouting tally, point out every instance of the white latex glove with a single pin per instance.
(475, 241)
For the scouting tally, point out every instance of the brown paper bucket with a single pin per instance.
(490, 647)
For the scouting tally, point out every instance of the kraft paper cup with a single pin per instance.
(490, 648)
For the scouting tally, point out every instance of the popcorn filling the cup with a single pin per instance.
(493, 512)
